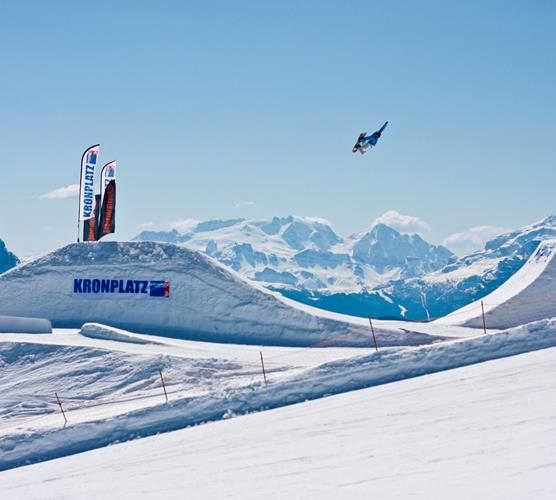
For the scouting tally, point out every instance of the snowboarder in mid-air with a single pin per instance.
(366, 142)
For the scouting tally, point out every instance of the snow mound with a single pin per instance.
(14, 324)
(163, 289)
(102, 332)
(529, 295)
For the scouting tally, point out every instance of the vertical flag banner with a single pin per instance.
(86, 185)
(107, 174)
(90, 226)
(108, 213)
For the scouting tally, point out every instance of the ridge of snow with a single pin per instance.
(102, 332)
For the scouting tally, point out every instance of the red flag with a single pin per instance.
(107, 223)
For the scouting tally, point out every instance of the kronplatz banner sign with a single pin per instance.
(87, 183)
(96, 211)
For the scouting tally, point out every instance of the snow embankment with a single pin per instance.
(167, 290)
(330, 378)
(16, 324)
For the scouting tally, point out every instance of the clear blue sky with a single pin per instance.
(205, 104)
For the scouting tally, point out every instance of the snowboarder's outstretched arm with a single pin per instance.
(382, 128)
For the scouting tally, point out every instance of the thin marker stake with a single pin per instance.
(484, 321)
(373, 332)
(61, 408)
(163, 385)
(262, 365)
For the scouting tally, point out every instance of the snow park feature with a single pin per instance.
(529, 295)
(169, 290)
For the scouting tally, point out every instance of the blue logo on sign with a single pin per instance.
(152, 288)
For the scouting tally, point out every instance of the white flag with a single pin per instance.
(87, 184)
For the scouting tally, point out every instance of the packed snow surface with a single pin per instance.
(112, 389)
(484, 431)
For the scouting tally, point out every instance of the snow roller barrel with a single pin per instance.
(15, 324)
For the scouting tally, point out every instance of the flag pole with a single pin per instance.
(79, 197)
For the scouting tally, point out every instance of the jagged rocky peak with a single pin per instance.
(383, 247)
(7, 258)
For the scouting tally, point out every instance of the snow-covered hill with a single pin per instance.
(305, 253)
(7, 258)
(171, 290)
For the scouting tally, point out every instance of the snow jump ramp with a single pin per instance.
(529, 295)
(163, 289)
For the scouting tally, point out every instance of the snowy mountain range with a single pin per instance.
(305, 253)
(7, 258)
(379, 272)
(440, 292)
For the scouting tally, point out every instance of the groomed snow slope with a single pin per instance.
(100, 372)
(529, 295)
(205, 390)
(484, 431)
(206, 301)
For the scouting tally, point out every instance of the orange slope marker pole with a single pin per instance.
(373, 332)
